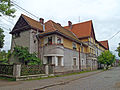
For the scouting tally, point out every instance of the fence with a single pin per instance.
(19, 71)
(32, 69)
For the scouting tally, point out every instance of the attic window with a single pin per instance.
(34, 41)
(17, 34)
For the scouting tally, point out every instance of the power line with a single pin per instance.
(114, 35)
(24, 10)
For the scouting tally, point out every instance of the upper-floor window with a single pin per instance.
(58, 40)
(17, 34)
(49, 40)
(81, 48)
(74, 45)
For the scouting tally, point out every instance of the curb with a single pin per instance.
(66, 82)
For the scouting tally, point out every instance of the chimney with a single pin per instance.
(41, 20)
(70, 24)
(42, 23)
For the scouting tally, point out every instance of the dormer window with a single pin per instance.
(74, 45)
(58, 40)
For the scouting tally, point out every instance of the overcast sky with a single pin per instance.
(104, 14)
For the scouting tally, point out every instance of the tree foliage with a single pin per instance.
(25, 57)
(1, 38)
(106, 58)
(4, 57)
(6, 8)
(118, 50)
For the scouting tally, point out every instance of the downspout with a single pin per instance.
(37, 36)
(79, 60)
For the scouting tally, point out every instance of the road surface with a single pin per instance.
(107, 80)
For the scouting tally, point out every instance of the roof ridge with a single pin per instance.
(29, 17)
(80, 22)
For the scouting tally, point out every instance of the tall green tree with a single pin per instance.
(1, 38)
(106, 58)
(6, 8)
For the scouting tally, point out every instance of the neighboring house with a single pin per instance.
(73, 47)
(85, 32)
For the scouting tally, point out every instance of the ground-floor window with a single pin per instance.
(74, 61)
(49, 60)
(59, 61)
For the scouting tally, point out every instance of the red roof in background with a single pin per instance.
(105, 44)
(81, 29)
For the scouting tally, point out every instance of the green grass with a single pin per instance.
(75, 73)
(7, 78)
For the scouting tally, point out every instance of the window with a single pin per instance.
(49, 40)
(74, 61)
(74, 46)
(17, 34)
(58, 40)
(81, 48)
(59, 61)
(49, 60)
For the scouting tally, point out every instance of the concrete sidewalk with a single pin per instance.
(43, 83)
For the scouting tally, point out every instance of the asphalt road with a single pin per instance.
(107, 80)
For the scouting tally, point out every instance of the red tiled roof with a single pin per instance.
(51, 26)
(82, 29)
(105, 44)
(33, 23)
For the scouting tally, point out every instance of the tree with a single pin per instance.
(6, 8)
(25, 57)
(106, 58)
(1, 38)
(3, 57)
(118, 50)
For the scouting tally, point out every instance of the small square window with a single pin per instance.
(17, 34)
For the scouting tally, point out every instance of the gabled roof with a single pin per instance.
(25, 23)
(105, 44)
(84, 29)
(51, 26)
(33, 23)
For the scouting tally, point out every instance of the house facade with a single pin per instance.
(64, 47)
